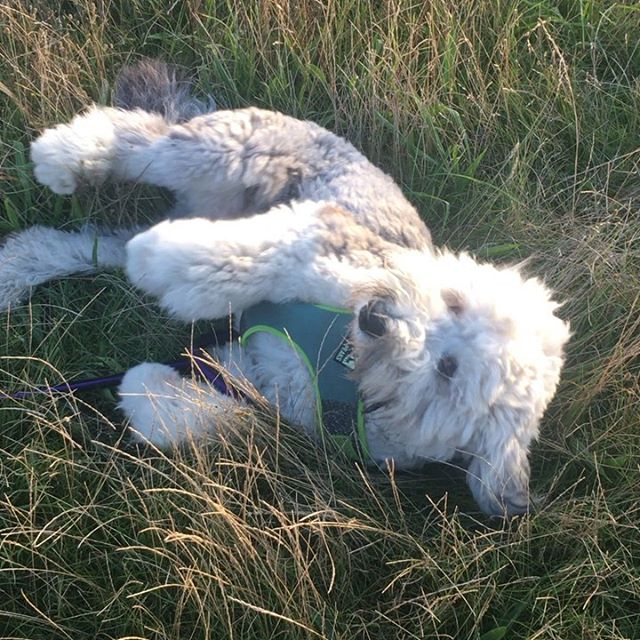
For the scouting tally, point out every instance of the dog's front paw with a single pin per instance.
(164, 409)
(150, 396)
(171, 262)
(78, 151)
(148, 255)
(51, 164)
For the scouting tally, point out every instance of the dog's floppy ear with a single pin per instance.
(373, 319)
(499, 480)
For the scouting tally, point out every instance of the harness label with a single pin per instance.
(345, 356)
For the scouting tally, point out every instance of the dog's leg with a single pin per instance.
(225, 164)
(163, 408)
(103, 143)
(39, 254)
(213, 163)
(307, 251)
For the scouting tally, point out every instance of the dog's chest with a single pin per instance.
(299, 356)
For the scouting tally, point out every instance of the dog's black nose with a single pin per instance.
(372, 320)
(447, 366)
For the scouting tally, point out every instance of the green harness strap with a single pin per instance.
(318, 335)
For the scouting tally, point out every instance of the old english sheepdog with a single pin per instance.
(450, 357)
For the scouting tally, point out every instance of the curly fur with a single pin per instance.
(465, 356)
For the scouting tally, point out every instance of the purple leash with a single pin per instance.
(195, 364)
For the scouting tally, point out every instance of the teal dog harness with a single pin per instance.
(319, 337)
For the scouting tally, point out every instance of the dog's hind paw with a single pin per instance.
(14, 283)
(59, 179)
(69, 153)
(11, 295)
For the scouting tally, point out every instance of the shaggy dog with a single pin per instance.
(452, 357)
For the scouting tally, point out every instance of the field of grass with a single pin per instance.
(514, 126)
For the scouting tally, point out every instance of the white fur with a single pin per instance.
(39, 254)
(338, 232)
(164, 408)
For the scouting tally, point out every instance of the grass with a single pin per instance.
(513, 126)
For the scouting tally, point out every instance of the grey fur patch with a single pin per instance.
(153, 85)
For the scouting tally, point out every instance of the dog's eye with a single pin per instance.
(372, 320)
(454, 301)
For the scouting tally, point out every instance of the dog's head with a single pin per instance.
(459, 357)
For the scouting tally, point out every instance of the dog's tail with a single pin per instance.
(39, 254)
(153, 85)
